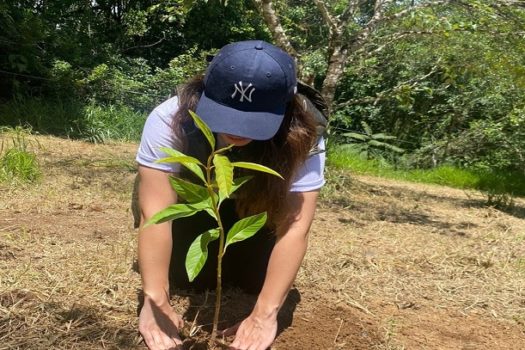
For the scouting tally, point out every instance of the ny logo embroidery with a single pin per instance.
(242, 92)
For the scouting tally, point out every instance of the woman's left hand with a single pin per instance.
(256, 332)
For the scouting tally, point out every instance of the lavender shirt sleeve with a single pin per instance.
(310, 176)
(158, 133)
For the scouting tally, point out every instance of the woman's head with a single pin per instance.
(288, 137)
(247, 87)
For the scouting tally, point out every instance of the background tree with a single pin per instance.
(445, 77)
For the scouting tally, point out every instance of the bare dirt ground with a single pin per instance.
(391, 265)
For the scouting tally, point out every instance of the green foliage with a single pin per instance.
(71, 118)
(448, 81)
(17, 162)
(442, 81)
(116, 122)
(492, 183)
(217, 175)
(371, 145)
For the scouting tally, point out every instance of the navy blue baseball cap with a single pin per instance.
(246, 89)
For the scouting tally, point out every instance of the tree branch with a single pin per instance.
(334, 27)
(350, 10)
(146, 46)
(411, 83)
(417, 7)
(274, 24)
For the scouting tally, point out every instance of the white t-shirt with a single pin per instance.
(158, 133)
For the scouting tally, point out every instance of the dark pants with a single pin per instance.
(244, 264)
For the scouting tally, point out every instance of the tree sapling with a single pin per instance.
(218, 184)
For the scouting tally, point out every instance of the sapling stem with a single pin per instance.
(218, 290)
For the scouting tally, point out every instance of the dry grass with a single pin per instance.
(420, 247)
(390, 266)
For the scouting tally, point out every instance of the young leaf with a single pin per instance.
(198, 253)
(210, 209)
(178, 159)
(188, 190)
(189, 162)
(255, 166)
(204, 128)
(177, 211)
(238, 182)
(223, 175)
(245, 228)
(194, 168)
(173, 153)
(224, 149)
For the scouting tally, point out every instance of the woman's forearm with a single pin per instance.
(287, 254)
(155, 245)
(155, 241)
(283, 266)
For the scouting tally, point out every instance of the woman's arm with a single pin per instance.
(155, 194)
(158, 322)
(258, 331)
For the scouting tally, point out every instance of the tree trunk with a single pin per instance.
(336, 65)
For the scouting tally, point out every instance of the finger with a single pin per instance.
(162, 341)
(238, 344)
(150, 342)
(230, 331)
(176, 340)
(177, 320)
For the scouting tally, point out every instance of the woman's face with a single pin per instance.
(234, 140)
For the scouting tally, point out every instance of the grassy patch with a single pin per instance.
(447, 175)
(74, 119)
(17, 162)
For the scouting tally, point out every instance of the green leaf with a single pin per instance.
(224, 149)
(395, 148)
(376, 143)
(238, 182)
(255, 166)
(177, 211)
(245, 228)
(194, 168)
(188, 191)
(204, 128)
(382, 136)
(173, 153)
(356, 136)
(192, 164)
(366, 128)
(198, 252)
(223, 175)
(178, 159)
(210, 209)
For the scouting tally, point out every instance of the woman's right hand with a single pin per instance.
(159, 325)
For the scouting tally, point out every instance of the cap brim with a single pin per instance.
(249, 124)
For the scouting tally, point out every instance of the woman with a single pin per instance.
(248, 99)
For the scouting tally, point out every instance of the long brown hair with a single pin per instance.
(284, 153)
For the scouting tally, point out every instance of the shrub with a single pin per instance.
(100, 124)
(17, 162)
